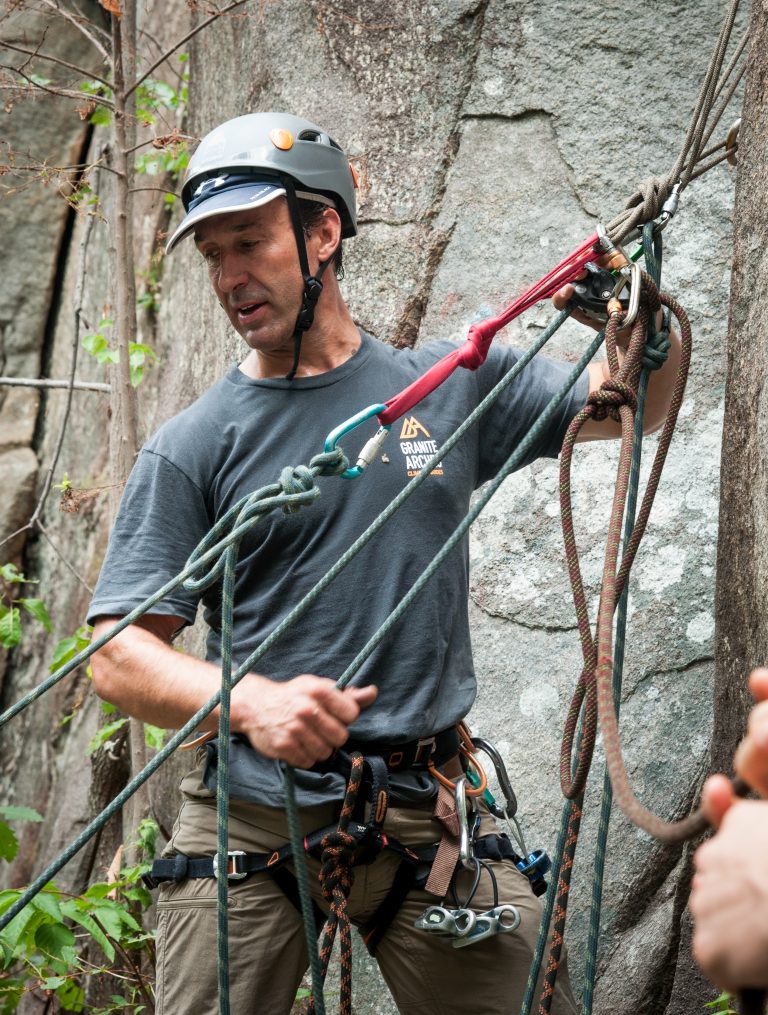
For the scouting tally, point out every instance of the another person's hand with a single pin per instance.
(299, 721)
(751, 760)
(729, 898)
(729, 901)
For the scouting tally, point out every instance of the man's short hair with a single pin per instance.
(310, 213)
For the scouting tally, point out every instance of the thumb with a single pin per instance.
(716, 798)
(364, 696)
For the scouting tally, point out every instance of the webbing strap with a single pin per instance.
(448, 851)
(473, 353)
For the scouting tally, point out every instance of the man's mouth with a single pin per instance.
(248, 312)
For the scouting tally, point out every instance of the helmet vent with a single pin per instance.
(309, 135)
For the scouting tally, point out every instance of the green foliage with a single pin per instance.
(154, 736)
(11, 607)
(723, 1005)
(173, 160)
(102, 736)
(68, 648)
(9, 845)
(56, 942)
(97, 344)
(101, 115)
(140, 356)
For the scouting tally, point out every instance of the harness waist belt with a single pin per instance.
(438, 749)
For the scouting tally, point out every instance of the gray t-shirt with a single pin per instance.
(236, 438)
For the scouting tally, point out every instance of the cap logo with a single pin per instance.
(281, 138)
(219, 181)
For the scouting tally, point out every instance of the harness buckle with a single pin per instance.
(425, 748)
(234, 873)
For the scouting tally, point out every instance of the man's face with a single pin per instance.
(253, 265)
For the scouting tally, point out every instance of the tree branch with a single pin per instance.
(79, 23)
(67, 564)
(61, 63)
(44, 382)
(78, 301)
(159, 190)
(66, 93)
(180, 43)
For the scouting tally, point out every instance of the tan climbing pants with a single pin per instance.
(267, 948)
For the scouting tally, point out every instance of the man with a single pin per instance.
(269, 198)
(729, 900)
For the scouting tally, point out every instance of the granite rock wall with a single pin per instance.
(489, 137)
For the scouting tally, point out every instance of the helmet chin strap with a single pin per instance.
(313, 285)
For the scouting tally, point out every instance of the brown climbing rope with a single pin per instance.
(336, 878)
(616, 398)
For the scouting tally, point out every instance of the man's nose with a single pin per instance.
(232, 272)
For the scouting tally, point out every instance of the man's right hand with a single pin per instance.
(299, 721)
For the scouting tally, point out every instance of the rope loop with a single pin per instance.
(329, 463)
(609, 398)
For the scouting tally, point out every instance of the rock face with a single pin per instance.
(489, 137)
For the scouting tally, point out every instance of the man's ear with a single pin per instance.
(325, 236)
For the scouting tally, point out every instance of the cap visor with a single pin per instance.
(220, 204)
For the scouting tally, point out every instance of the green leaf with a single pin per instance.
(10, 573)
(20, 814)
(98, 346)
(107, 707)
(154, 736)
(72, 996)
(68, 648)
(9, 844)
(70, 909)
(102, 736)
(53, 982)
(53, 938)
(101, 116)
(10, 626)
(47, 901)
(37, 608)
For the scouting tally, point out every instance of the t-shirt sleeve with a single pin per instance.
(161, 519)
(521, 404)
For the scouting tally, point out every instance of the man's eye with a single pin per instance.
(210, 257)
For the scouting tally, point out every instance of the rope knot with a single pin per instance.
(657, 347)
(336, 874)
(609, 398)
(650, 195)
(293, 480)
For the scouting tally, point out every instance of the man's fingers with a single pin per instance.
(758, 683)
(716, 798)
(562, 296)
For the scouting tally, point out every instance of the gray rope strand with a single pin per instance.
(647, 201)
(461, 529)
(222, 779)
(302, 880)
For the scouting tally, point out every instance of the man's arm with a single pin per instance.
(660, 386)
(299, 721)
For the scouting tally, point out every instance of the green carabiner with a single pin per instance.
(369, 450)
